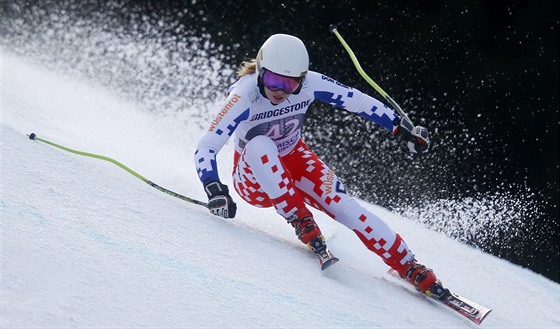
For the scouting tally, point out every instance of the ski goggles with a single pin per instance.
(276, 82)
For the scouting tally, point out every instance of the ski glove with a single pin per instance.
(416, 138)
(220, 202)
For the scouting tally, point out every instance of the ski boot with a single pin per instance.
(421, 277)
(309, 233)
(324, 255)
(437, 291)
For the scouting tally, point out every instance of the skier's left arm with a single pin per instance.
(333, 92)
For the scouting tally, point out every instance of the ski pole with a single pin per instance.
(33, 136)
(364, 75)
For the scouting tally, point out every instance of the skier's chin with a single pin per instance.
(277, 101)
(276, 97)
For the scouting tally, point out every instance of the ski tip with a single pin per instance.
(482, 316)
(329, 263)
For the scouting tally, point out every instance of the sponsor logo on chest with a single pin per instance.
(281, 111)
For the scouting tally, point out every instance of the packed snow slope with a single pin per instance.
(86, 244)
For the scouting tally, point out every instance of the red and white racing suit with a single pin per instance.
(274, 167)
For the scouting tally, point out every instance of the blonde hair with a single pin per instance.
(247, 67)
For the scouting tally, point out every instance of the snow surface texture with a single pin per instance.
(86, 244)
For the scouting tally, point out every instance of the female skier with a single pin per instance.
(266, 108)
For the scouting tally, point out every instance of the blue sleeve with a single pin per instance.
(206, 166)
(233, 111)
(330, 91)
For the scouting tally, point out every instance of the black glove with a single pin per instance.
(220, 202)
(416, 138)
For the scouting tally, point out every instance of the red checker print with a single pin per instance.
(317, 189)
(382, 243)
(252, 191)
(264, 159)
(330, 200)
(369, 243)
(390, 257)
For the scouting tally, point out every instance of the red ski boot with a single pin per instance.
(304, 224)
(309, 233)
(419, 275)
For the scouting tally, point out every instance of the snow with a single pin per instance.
(86, 244)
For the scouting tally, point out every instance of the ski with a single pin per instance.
(326, 258)
(322, 252)
(461, 305)
(467, 308)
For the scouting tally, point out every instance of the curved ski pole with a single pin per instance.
(33, 136)
(364, 75)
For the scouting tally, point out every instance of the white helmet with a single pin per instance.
(285, 55)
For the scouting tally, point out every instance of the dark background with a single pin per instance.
(481, 75)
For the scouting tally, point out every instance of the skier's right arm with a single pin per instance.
(232, 112)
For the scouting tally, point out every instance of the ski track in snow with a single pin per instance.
(85, 244)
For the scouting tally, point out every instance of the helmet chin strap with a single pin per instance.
(261, 87)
